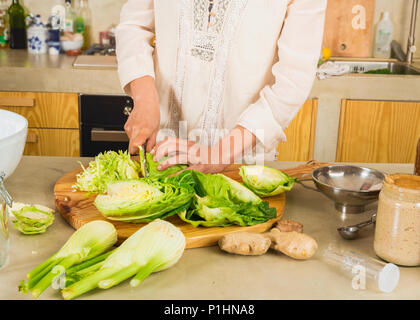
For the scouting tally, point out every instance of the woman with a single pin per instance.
(225, 79)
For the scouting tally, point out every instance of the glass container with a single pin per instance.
(397, 231)
(5, 202)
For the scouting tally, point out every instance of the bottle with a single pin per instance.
(4, 29)
(37, 34)
(384, 37)
(17, 26)
(59, 14)
(362, 269)
(69, 19)
(83, 22)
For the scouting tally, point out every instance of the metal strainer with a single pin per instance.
(350, 187)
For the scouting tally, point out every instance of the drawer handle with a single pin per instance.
(108, 136)
(17, 102)
(32, 138)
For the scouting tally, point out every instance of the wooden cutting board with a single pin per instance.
(348, 27)
(78, 209)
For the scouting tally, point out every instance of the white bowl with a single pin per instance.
(71, 45)
(13, 131)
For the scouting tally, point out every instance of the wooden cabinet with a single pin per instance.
(43, 110)
(53, 142)
(300, 135)
(378, 131)
(53, 120)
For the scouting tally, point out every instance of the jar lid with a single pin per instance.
(405, 181)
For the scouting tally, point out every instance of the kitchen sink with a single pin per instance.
(395, 68)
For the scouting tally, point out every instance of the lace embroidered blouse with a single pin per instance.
(222, 63)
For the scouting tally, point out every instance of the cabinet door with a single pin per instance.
(53, 142)
(44, 110)
(300, 135)
(378, 131)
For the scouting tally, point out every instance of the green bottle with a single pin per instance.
(17, 26)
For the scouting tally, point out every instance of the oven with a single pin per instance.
(102, 119)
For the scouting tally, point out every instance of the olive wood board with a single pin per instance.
(77, 208)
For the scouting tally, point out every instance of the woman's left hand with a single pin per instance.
(198, 157)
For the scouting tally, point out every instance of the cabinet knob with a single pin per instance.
(32, 137)
(127, 110)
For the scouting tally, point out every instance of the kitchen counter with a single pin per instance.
(207, 273)
(53, 73)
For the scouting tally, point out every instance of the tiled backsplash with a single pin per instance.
(106, 12)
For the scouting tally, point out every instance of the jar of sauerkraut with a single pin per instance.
(397, 231)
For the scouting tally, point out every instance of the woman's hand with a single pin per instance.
(143, 123)
(203, 158)
(198, 157)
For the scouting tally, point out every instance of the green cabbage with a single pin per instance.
(106, 168)
(152, 165)
(143, 200)
(32, 219)
(155, 247)
(221, 201)
(266, 181)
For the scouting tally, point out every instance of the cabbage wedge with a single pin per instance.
(91, 240)
(143, 200)
(155, 247)
(265, 181)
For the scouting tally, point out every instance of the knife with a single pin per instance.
(143, 150)
(127, 112)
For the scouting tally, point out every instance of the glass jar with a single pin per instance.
(397, 231)
(5, 202)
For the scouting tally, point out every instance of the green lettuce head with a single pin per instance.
(265, 181)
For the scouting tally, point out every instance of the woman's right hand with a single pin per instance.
(143, 123)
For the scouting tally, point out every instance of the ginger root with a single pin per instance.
(289, 226)
(245, 243)
(293, 244)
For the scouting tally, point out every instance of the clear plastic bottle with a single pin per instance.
(383, 38)
(70, 16)
(378, 275)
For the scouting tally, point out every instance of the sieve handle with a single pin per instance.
(302, 180)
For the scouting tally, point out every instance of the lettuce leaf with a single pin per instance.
(221, 201)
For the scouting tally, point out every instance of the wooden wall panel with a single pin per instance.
(378, 131)
(300, 135)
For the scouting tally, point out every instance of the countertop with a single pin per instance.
(207, 273)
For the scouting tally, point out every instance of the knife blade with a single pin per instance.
(143, 150)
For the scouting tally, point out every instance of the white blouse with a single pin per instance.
(222, 63)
